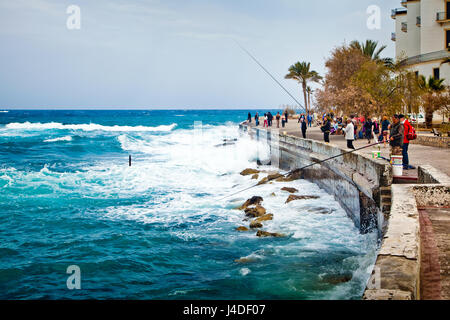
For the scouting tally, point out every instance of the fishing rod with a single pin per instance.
(297, 171)
(267, 71)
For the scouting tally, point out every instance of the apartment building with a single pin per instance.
(422, 36)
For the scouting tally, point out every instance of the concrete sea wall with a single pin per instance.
(354, 179)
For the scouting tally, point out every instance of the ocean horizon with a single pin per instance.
(160, 228)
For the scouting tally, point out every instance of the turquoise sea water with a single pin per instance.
(158, 229)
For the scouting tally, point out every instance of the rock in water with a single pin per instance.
(242, 229)
(290, 190)
(255, 225)
(266, 217)
(251, 202)
(293, 197)
(270, 177)
(264, 234)
(255, 176)
(248, 172)
(254, 212)
(337, 278)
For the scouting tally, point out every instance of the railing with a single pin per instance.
(437, 55)
(404, 27)
(441, 16)
(418, 21)
(393, 36)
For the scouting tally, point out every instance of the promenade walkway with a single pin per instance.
(418, 154)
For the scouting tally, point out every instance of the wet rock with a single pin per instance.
(242, 229)
(320, 210)
(337, 278)
(251, 202)
(255, 212)
(266, 217)
(290, 177)
(248, 172)
(255, 176)
(293, 197)
(273, 194)
(245, 260)
(264, 234)
(255, 225)
(270, 177)
(290, 190)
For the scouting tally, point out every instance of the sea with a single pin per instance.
(162, 227)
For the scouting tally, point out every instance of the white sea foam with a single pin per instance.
(181, 178)
(87, 127)
(66, 138)
(4, 111)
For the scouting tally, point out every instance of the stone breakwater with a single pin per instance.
(354, 179)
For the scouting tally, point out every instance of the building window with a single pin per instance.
(447, 37)
(448, 9)
(436, 73)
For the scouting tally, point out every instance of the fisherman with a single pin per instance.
(407, 130)
(249, 118)
(396, 134)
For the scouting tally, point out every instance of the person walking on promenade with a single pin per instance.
(286, 116)
(269, 119)
(396, 136)
(376, 129)
(368, 130)
(278, 117)
(350, 134)
(407, 128)
(303, 126)
(257, 119)
(266, 123)
(326, 128)
(249, 118)
(309, 120)
(385, 129)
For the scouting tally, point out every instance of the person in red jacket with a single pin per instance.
(407, 128)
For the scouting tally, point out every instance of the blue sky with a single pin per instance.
(170, 53)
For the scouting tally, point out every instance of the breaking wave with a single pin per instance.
(88, 127)
(66, 138)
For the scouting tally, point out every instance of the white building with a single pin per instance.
(422, 36)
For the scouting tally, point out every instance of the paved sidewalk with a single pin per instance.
(418, 154)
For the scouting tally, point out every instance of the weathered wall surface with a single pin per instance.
(353, 179)
(438, 142)
(397, 269)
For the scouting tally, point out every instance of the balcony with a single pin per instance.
(393, 36)
(404, 27)
(442, 17)
(395, 12)
(404, 3)
(418, 21)
(432, 56)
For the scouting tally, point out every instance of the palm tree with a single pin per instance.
(369, 49)
(432, 89)
(301, 72)
(310, 92)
